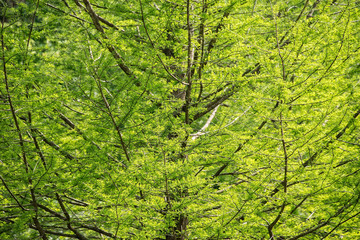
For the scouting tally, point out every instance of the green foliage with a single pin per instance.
(179, 120)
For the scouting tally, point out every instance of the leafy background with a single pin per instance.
(179, 120)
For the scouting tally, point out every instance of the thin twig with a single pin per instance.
(12, 195)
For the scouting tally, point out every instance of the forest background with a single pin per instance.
(169, 119)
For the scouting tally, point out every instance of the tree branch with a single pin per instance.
(111, 48)
(217, 101)
(206, 125)
(12, 195)
(71, 15)
(67, 216)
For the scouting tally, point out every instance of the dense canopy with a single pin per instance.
(180, 119)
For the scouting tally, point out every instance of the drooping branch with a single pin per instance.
(54, 145)
(56, 233)
(338, 136)
(101, 19)
(81, 225)
(73, 126)
(109, 112)
(68, 219)
(111, 48)
(12, 195)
